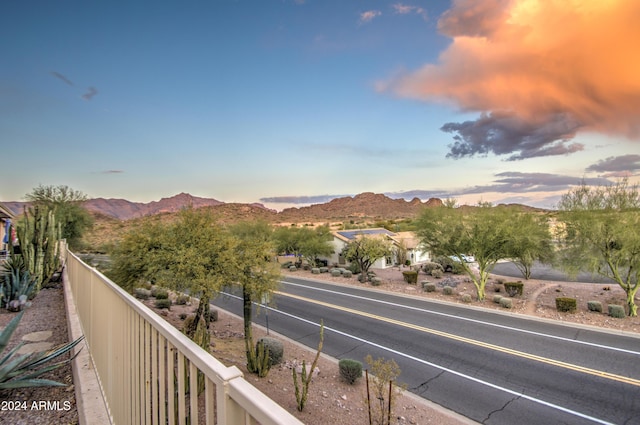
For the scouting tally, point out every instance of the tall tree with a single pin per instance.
(311, 244)
(258, 274)
(600, 234)
(530, 241)
(133, 257)
(67, 205)
(365, 251)
(481, 231)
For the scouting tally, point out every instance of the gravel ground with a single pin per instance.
(41, 405)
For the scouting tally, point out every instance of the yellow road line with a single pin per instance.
(534, 357)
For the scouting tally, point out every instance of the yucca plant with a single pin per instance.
(16, 283)
(24, 370)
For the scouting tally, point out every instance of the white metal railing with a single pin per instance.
(147, 368)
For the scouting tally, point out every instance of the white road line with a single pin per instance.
(591, 344)
(434, 365)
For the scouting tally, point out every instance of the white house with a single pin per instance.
(406, 241)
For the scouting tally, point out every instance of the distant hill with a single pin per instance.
(125, 210)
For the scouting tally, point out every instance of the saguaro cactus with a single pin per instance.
(39, 235)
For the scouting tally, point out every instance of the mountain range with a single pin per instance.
(366, 204)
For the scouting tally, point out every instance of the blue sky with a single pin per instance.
(288, 102)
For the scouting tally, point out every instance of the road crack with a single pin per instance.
(500, 409)
(424, 387)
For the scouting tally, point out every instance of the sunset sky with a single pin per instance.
(291, 102)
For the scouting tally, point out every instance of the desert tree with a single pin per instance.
(258, 275)
(196, 254)
(304, 242)
(482, 231)
(133, 256)
(68, 210)
(599, 234)
(365, 251)
(530, 240)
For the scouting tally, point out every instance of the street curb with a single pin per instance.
(90, 402)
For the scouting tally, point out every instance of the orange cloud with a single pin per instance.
(555, 67)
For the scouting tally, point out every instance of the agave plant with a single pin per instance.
(16, 283)
(24, 370)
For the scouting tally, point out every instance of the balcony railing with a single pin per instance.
(149, 372)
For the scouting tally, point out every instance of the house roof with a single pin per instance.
(350, 235)
(5, 212)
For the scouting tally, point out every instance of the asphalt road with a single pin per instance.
(546, 272)
(492, 368)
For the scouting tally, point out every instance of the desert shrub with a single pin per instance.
(336, 272)
(315, 270)
(350, 370)
(141, 293)
(183, 316)
(160, 294)
(347, 273)
(616, 311)
(447, 290)
(466, 298)
(594, 306)
(324, 269)
(506, 302)
(428, 286)
(566, 304)
(437, 273)
(355, 268)
(513, 288)
(182, 299)
(292, 268)
(163, 303)
(411, 277)
(276, 349)
(376, 281)
(287, 264)
(428, 267)
(213, 315)
(497, 298)
(188, 324)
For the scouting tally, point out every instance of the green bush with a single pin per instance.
(163, 303)
(336, 272)
(350, 370)
(514, 288)
(430, 266)
(437, 273)
(411, 277)
(182, 299)
(466, 298)
(428, 286)
(324, 269)
(355, 268)
(292, 268)
(160, 294)
(506, 302)
(497, 298)
(315, 270)
(594, 306)
(566, 304)
(141, 293)
(376, 281)
(275, 347)
(347, 273)
(447, 290)
(616, 311)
